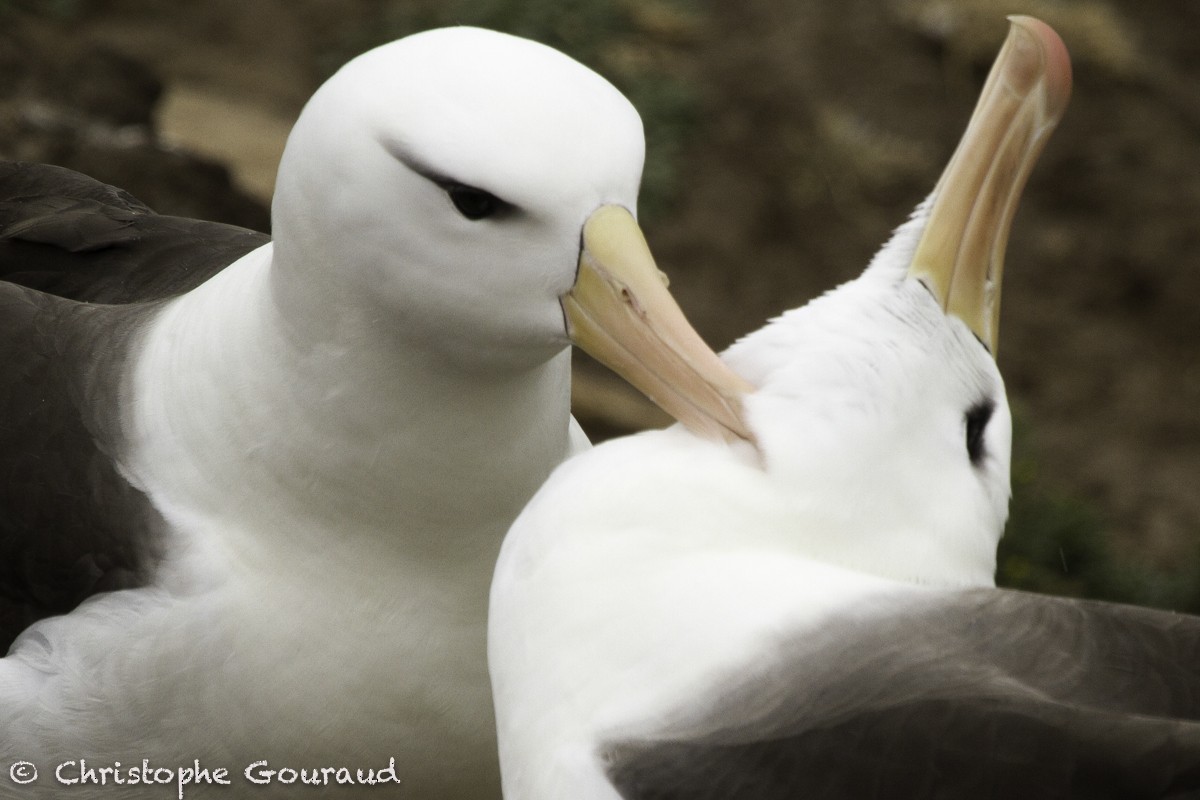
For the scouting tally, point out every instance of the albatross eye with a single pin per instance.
(977, 420)
(473, 203)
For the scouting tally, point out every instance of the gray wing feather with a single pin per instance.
(68, 235)
(980, 694)
(70, 524)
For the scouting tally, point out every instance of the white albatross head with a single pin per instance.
(885, 393)
(458, 188)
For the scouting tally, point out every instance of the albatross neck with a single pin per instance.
(325, 425)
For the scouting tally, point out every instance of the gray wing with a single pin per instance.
(977, 694)
(68, 235)
(70, 524)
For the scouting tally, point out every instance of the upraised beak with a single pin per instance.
(960, 257)
(620, 312)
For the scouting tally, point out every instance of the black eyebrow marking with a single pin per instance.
(402, 153)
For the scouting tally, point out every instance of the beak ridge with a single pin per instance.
(960, 257)
(620, 312)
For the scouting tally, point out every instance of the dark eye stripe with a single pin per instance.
(472, 203)
(977, 419)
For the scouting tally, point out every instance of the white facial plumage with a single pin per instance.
(539, 132)
(874, 395)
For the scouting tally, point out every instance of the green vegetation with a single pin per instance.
(629, 43)
(1057, 545)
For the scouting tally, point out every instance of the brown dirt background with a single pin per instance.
(821, 126)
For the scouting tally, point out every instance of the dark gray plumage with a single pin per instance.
(974, 688)
(82, 266)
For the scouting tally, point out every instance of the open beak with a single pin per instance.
(960, 257)
(620, 312)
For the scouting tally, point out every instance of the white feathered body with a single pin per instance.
(315, 618)
(654, 564)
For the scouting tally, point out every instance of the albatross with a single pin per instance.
(253, 490)
(814, 615)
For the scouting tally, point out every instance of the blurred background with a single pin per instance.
(786, 138)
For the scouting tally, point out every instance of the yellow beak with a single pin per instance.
(620, 312)
(960, 257)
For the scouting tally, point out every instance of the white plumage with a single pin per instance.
(650, 572)
(333, 433)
